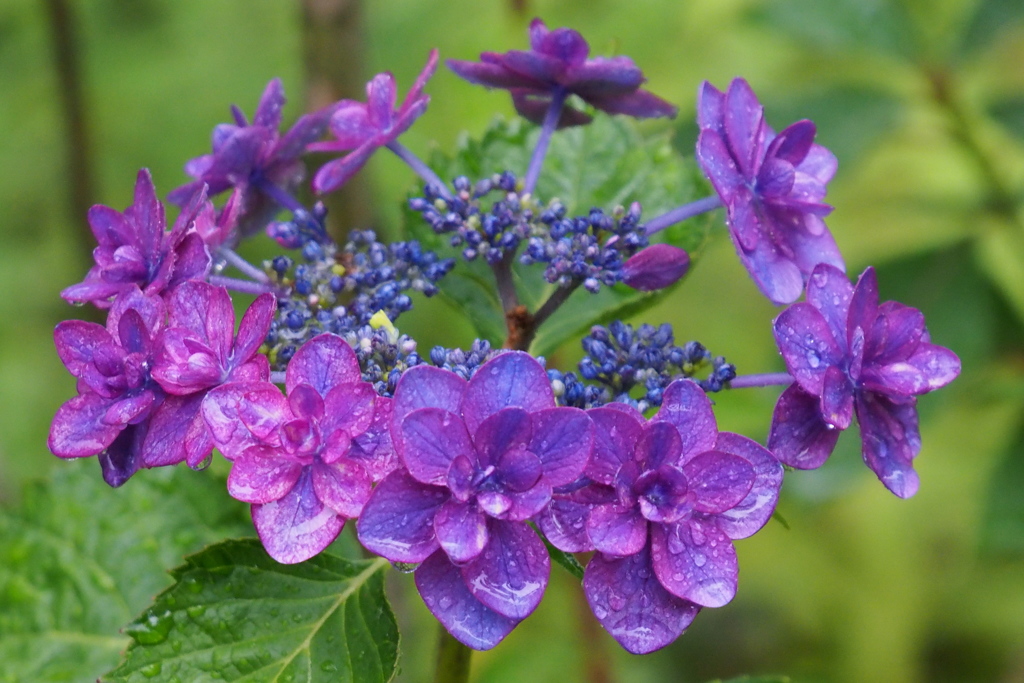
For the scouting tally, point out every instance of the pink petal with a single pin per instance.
(263, 475)
(343, 486)
(298, 526)
(78, 429)
(243, 414)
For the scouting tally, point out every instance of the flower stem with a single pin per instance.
(506, 287)
(242, 265)
(453, 659)
(557, 298)
(768, 379)
(243, 286)
(421, 169)
(681, 213)
(547, 128)
(279, 195)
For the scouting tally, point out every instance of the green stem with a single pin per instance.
(452, 660)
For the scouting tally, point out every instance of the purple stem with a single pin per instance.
(768, 379)
(277, 377)
(242, 265)
(243, 286)
(279, 195)
(681, 213)
(547, 128)
(421, 169)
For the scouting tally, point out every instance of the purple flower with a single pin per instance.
(656, 267)
(116, 394)
(772, 188)
(364, 128)
(557, 63)
(255, 159)
(669, 497)
(294, 457)
(482, 458)
(848, 354)
(199, 350)
(135, 251)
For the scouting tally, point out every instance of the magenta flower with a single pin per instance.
(482, 458)
(293, 457)
(668, 497)
(255, 159)
(772, 188)
(116, 394)
(555, 66)
(849, 354)
(135, 251)
(364, 128)
(197, 351)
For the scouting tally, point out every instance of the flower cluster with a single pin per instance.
(452, 462)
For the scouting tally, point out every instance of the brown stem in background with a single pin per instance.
(72, 103)
(333, 53)
(597, 662)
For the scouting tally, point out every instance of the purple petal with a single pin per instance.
(77, 341)
(205, 311)
(564, 44)
(695, 561)
(931, 367)
(533, 106)
(507, 429)
(656, 267)
(191, 261)
(421, 81)
(640, 104)
(744, 126)
(604, 76)
(373, 448)
(150, 308)
(617, 530)
(820, 164)
(253, 328)
(510, 575)
(812, 245)
(616, 433)
(837, 399)
(793, 143)
(298, 526)
(895, 336)
(519, 470)
(718, 481)
(350, 126)
(268, 111)
(799, 437)
(527, 504)
(863, 304)
(177, 432)
(306, 129)
(430, 440)
(121, 458)
(829, 291)
(710, 108)
(323, 363)
(334, 174)
(807, 346)
(491, 75)
(445, 594)
(397, 521)
(263, 475)
(720, 168)
(343, 486)
(129, 409)
(563, 439)
(243, 414)
(380, 100)
(890, 441)
(754, 511)
(461, 529)
(78, 429)
(349, 407)
(659, 445)
(147, 215)
(534, 65)
(95, 291)
(425, 386)
(687, 408)
(632, 606)
(775, 180)
(510, 380)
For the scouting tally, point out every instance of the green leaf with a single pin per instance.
(606, 164)
(78, 560)
(1002, 528)
(564, 559)
(1010, 113)
(838, 25)
(236, 614)
(991, 17)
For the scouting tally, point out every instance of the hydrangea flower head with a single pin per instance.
(116, 394)
(134, 249)
(363, 128)
(849, 354)
(199, 350)
(772, 187)
(668, 497)
(293, 457)
(250, 157)
(482, 458)
(558, 61)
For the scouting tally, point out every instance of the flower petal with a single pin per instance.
(177, 433)
(563, 439)
(744, 126)
(617, 530)
(807, 346)
(510, 575)
(616, 433)
(564, 520)
(799, 437)
(890, 441)
(930, 367)
(754, 511)
(397, 521)
(343, 486)
(507, 429)
(298, 526)
(323, 363)
(686, 407)
(461, 529)
(632, 606)
(431, 439)
(509, 380)
(243, 414)
(837, 398)
(78, 429)
(695, 561)
(718, 481)
(830, 291)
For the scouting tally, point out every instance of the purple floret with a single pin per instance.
(668, 496)
(772, 187)
(255, 159)
(135, 251)
(482, 457)
(364, 128)
(294, 457)
(851, 355)
(557, 63)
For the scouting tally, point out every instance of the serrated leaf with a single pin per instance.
(1010, 113)
(605, 164)
(235, 614)
(78, 560)
(1002, 528)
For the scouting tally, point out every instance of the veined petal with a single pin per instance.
(461, 529)
(890, 441)
(343, 486)
(397, 521)
(262, 475)
(807, 346)
(78, 428)
(799, 437)
(323, 363)
(298, 526)
(718, 481)
(695, 561)
(754, 511)
(511, 573)
(830, 291)
(431, 439)
(617, 530)
(744, 126)
(930, 367)
(563, 439)
(687, 408)
(507, 429)
(243, 414)
(837, 398)
(509, 380)
(616, 434)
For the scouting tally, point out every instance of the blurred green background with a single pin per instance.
(921, 100)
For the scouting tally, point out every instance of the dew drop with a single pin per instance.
(700, 559)
(195, 611)
(812, 359)
(445, 602)
(328, 665)
(152, 629)
(616, 602)
(151, 670)
(600, 612)
(405, 567)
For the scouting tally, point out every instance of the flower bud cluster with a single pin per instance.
(340, 291)
(383, 355)
(463, 363)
